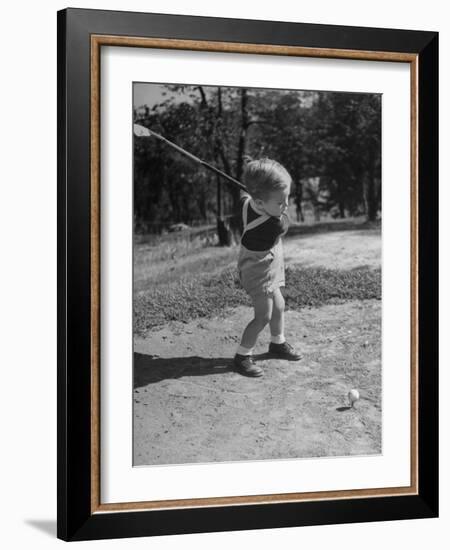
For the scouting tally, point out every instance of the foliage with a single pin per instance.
(328, 141)
(196, 297)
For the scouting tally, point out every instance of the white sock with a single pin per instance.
(244, 351)
(280, 339)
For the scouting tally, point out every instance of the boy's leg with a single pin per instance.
(278, 346)
(243, 359)
(262, 306)
(277, 319)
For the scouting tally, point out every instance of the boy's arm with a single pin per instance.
(243, 195)
(284, 222)
(238, 214)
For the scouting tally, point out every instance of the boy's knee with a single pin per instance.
(266, 319)
(278, 307)
(263, 319)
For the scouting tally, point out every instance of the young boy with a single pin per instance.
(260, 262)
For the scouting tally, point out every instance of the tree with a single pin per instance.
(331, 138)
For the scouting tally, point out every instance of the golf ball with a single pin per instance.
(353, 395)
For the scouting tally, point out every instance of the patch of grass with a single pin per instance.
(207, 260)
(317, 286)
(162, 250)
(207, 296)
(186, 299)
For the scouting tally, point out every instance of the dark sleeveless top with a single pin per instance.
(264, 236)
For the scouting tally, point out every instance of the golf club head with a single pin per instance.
(141, 131)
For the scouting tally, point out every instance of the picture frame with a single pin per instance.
(81, 36)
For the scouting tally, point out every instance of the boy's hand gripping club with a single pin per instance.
(142, 131)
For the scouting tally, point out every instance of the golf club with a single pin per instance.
(142, 131)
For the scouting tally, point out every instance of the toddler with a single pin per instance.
(260, 262)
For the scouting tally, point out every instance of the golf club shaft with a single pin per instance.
(193, 157)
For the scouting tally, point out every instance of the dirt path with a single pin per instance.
(335, 250)
(190, 406)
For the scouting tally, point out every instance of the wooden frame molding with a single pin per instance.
(97, 41)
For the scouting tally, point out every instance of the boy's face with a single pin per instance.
(276, 203)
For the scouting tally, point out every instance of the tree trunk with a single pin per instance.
(371, 200)
(340, 196)
(316, 210)
(299, 211)
(298, 202)
(371, 194)
(242, 135)
(223, 230)
(234, 222)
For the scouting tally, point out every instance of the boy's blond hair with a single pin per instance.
(263, 176)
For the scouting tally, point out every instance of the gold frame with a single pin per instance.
(97, 41)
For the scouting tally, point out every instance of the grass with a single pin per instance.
(206, 296)
(176, 245)
(317, 286)
(150, 272)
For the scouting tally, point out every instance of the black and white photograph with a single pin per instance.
(225, 294)
(257, 263)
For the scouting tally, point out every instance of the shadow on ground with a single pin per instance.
(47, 526)
(149, 369)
